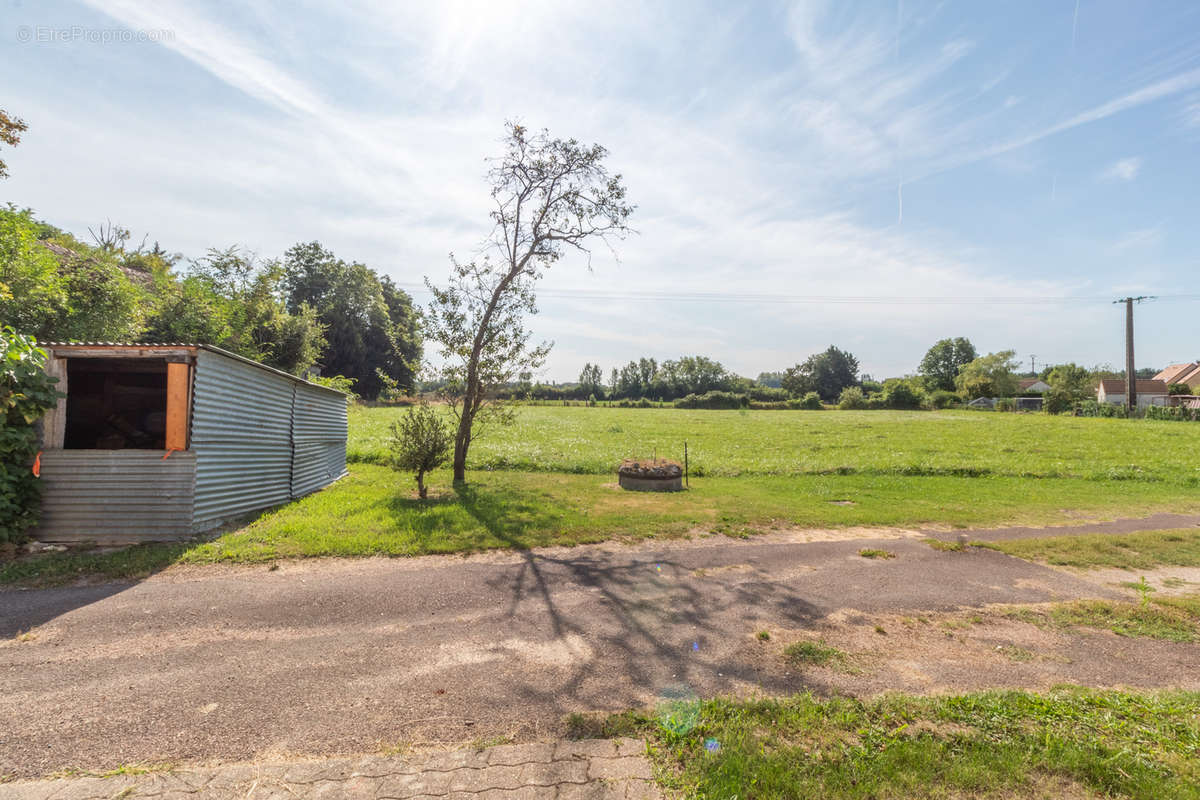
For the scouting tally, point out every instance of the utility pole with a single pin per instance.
(1033, 365)
(1130, 376)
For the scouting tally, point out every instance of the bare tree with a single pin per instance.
(550, 196)
(111, 238)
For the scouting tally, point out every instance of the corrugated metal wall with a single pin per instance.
(241, 434)
(115, 497)
(318, 439)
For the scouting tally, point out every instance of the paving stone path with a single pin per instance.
(596, 769)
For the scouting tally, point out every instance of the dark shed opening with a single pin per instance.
(116, 404)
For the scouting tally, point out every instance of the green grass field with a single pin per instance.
(1069, 743)
(737, 443)
(549, 479)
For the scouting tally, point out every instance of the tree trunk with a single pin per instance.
(421, 490)
(462, 441)
(473, 396)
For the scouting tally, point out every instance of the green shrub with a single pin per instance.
(1179, 388)
(852, 398)
(420, 442)
(26, 393)
(1094, 408)
(767, 394)
(713, 400)
(811, 402)
(1005, 404)
(1178, 413)
(940, 398)
(901, 393)
(1058, 402)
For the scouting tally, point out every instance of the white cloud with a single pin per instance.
(1125, 169)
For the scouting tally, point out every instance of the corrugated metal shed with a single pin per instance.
(258, 437)
(318, 439)
(116, 497)
(242, 436)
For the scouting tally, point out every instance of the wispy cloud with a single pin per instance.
(1189, 113)
(1141, 238)
(1130, 100)
(1126, 169)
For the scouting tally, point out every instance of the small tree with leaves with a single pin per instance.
(420, 443)
(549, 196)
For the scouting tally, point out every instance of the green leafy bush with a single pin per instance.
(1005, 404)
(940, 398)
(26, 393)
(773, 405)
(767, 394)
(1179, 388)
(420, 442)
(1094, 408)
(714, 399)
(1058, 402)
(1178, 413)
(852, 398)
(811, 402)
(901, 393)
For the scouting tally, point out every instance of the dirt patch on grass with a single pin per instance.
(1164, 580)
(969, 651)
(842, 534)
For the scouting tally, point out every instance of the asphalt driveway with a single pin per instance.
(331, 657)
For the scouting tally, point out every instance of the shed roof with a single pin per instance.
(1147, 386)
(190, 345)
(67, 255)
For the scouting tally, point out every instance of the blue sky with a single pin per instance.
(1007, 159)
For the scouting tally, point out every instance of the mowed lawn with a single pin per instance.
(550, 479)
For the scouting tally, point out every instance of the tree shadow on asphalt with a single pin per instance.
(641, 598)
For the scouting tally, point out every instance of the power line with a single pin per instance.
(744, 297)
(1130, 371)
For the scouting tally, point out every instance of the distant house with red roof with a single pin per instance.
(1187, 374)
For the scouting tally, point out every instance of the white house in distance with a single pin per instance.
(1150, 392)
(1033, 385)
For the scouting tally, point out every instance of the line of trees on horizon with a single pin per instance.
(951, 371)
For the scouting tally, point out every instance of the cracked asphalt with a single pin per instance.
(600, 769)
(205, 665)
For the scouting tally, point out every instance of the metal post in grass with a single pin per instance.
(686, 482)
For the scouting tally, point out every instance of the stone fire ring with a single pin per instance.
(650, 476)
